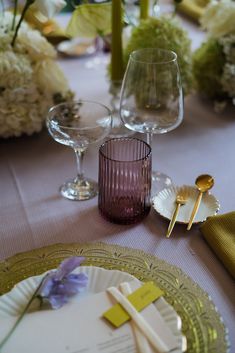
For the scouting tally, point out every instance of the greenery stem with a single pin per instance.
(14, 16)
(26, 6)
(34, 296)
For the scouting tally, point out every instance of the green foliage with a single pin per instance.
(164, 33)
(90, 20)
(208, 63)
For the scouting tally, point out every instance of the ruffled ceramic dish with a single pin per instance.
(164, 204)
(77, 47)
(12, 303)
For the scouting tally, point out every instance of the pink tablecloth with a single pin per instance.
(33, 214)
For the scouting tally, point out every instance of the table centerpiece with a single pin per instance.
(31, 80)
(214, 60)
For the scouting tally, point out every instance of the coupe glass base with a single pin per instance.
(79, 190)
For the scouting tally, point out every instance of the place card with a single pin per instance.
(79, 327)
(140, 298)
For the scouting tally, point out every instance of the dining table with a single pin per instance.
(33, 214)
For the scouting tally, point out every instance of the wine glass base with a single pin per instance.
(160, 181)
(79, 190)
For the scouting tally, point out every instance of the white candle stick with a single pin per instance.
(141, 340)
(142, 324)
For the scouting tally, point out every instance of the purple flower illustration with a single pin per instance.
(58, 286)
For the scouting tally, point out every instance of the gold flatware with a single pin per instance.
(180, 201)
(204, 183)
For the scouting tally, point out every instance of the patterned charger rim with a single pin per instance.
(142, 265)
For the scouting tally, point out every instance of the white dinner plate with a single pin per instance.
(164, 204)
(99, 279)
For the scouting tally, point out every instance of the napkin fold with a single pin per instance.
(219, 232)
(192, 8)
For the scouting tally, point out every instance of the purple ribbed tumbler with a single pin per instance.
(125, 166)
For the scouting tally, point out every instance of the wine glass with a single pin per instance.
(79, 124)
(152, 98)
(118, 128)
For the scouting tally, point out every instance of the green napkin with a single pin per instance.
(192, 8)
(219, 232)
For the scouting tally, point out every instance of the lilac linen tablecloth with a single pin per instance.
(33, 214)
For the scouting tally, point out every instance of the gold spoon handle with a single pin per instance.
(195, 209)
(173, 220)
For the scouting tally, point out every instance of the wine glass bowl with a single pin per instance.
(77, 125)
(151, 95)
(118, 128)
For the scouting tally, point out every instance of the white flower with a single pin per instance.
(228, 76)
(23, 106)
(29, 77)
(219, 18)
(228, 44)
(23, 110)
(15, 70)
(35, 44)
(28, 41)
(49, 7)
(50, 77)
(228, 79)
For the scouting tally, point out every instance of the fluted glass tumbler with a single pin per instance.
(125, 166)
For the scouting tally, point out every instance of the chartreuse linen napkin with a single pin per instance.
(192, 8)
(219, 232)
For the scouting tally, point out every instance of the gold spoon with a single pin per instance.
(180, 200)
(204, 183)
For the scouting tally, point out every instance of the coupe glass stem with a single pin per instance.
(79, 158)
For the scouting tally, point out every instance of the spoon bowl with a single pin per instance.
(204, 182)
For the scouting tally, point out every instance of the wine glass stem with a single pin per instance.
(79, 158)
(149, 138)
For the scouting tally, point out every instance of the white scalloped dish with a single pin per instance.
(12, 303)
(77, 47)
(164, 204)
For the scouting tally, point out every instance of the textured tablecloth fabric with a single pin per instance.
(33, 214)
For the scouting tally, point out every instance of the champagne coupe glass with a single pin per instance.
(152, 98)
(79, 124)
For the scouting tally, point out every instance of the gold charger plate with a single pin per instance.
(202, 325)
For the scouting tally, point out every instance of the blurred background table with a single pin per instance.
(33, 214)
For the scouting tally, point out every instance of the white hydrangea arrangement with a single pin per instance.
(228, 76)
(30, 79)
(214, 61)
